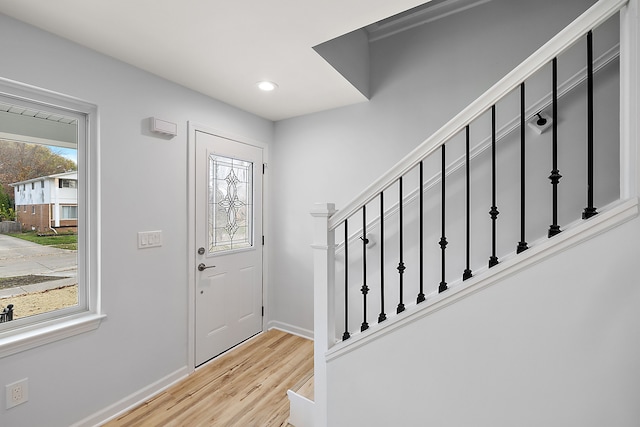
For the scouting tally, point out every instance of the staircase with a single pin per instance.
(301, 411)
(408, 332)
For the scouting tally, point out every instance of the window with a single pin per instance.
(69, 212)
(27, 115)
(67, 183)
(231, 200)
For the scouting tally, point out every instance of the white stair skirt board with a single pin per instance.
(301, 410)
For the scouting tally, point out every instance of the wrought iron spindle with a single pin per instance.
(555, 173)
(493, 259)
(467, 272)
(522, 244)
(365, 288)
(590, 210)
(382, 316)
(346, 334)
(443, 239)
(421, 296)
(401, 267)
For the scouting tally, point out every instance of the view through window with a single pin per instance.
(38, 211)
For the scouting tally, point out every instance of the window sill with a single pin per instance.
(21, 340)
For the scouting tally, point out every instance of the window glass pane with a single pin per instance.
(230, 204)
(69, 212)
(39, 195)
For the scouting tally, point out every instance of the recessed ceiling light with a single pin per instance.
(267, 86)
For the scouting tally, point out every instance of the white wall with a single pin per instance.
(144, 292)
(419, 80)
(556, 345)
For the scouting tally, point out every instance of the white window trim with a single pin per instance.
(42, 333)
(66, 323)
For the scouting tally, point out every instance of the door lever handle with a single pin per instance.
(202, 267)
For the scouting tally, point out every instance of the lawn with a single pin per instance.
(61, 241)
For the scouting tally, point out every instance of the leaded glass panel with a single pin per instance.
(230, 204)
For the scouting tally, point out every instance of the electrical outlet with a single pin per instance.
(17, 393)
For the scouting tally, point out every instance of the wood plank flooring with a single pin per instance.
(245, 387)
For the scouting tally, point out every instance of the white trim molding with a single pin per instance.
(133, 400)
(629, 100)
(33, 331)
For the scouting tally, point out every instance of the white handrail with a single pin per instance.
(594, 16)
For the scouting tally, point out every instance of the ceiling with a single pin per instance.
(222, 48)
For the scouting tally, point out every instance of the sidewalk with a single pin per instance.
(20, 258)
(38, 287)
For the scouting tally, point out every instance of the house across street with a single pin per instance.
(47, 202)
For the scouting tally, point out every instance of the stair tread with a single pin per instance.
(305, 386)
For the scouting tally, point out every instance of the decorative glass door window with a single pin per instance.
(230, 204)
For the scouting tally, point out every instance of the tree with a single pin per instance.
(7, 212)
(20, 161)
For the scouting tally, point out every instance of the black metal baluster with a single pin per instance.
(365, 288)
(382, 316)
(555, 173)
(346, 334)
(493, 259)
(401, 267)
(590, 210)
(467, 272)
(522, 244)
(421, 296)
(443, 239)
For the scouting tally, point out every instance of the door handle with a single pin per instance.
(202, 267)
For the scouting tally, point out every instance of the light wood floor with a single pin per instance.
(245, 387)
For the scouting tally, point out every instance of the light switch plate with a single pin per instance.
(149, 239)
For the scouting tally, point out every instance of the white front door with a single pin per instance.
(228, 260)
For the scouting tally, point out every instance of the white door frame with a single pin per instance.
(192, 128)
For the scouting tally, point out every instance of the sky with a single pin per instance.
(69, 153)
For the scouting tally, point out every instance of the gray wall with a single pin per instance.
(144, 292)
(557, 345)
(419, 80)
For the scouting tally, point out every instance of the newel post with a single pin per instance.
(323, 304)
(630, 100)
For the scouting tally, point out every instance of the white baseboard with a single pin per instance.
(133, 400)
(162, 384)
(304, 333)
